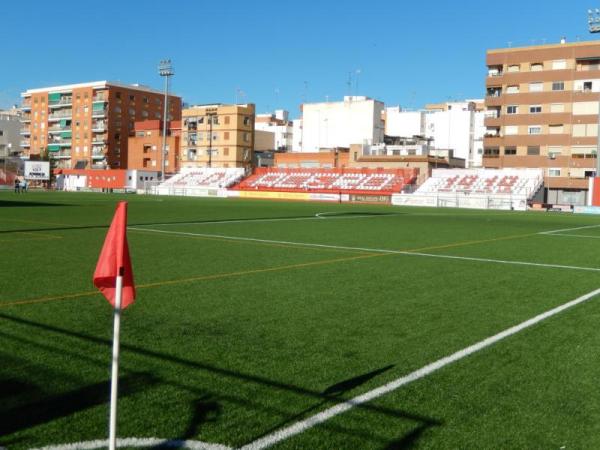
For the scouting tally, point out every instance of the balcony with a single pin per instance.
(98, 155)
(26, 118)
(100, 139)
(58, 129)
(99, 112)
(99, 99)
(25, 143)
(493, 93)
(64, 101)
(98, 126)
(59, 143)
(62, 154)
(25, 131)
(57, 115)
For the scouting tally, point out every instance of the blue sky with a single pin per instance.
(276, 53)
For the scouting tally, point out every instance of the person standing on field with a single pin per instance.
(17, 186)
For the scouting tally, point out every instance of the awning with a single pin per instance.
(53, 147)
(97, 106)
(54, 97)
(65, 134)
(588, 58)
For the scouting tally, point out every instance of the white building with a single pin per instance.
(279, 124)
(297, 136)
(10, 126)
(456, 126)
(356, 120)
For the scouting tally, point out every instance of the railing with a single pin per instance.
(62, 101)
(26, 117)
(495, 74)
(494, 94)
(492, 114)
(99, 99)
(61, 154)
(60, 114)
(25, 130)
(25, 143)
(98, 112)
(51, 129)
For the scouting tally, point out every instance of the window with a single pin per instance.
(554, 172)
(559, 64)
(226, 151)
(558, 86)
(145, 99)
(536, 87)
(557, 108)
(585, 129)
(491, 151)
(537, 67)
(512, 89)
(132, 98)
(510, 150)
(246, 120)
(585, 108)
(511, 130)
(535, 109)
(587, 86)
(246, 137)
(556, 129)
(226, 135)
(117, 94)
(533, 150)
(226, 120)
(215, 136)
(512, 109)
(554, 151)
(514, 68)
(534, 129)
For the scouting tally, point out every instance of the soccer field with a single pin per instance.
(301, 325)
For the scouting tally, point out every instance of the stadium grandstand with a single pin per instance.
(367, 181)
(195, 181)
(476, 188)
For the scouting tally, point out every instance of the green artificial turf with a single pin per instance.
(253, 315)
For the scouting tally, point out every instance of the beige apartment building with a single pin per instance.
(217, 136)
(542, 112)
(87, 125)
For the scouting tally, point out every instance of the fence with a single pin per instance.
(462, 200)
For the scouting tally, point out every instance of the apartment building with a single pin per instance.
(279, 124)
(542, 112)
(144, 150)
(87, 125)
(450, 126)
(355, 120)
(10, 126)
(217, 135)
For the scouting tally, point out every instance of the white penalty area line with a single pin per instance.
(317, 216)
(137, 443)
(569, 229)
(306, 424)
(369, 250)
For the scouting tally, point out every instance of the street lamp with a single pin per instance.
(165, 69)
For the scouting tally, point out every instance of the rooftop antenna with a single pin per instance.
(357, 72)
(509, 44)
(349, 83)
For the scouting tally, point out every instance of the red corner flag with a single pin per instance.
(114, 260)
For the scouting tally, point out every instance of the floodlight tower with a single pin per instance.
(165, 69)
(594, 27)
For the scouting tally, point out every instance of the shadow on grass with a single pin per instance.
(21, 203)
(206, 408)
(45, 410)
(187, 222)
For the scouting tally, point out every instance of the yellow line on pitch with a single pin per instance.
(194, 279)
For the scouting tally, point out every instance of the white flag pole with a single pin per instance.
(115, 363)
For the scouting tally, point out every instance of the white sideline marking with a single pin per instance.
(340, 408)
(278, 219)
(371, 250)
(569, 229)
(137, 442)
(575, 235)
